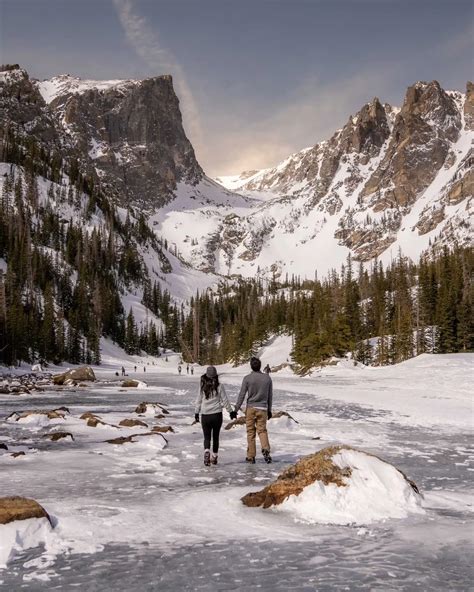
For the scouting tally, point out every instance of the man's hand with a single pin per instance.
(196, 417)
(269, 415)
(233, 414)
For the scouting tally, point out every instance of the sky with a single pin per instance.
(257, 79)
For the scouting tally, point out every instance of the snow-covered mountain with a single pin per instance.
(389, 179)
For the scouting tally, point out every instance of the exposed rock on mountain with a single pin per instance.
(390, 178)
(131, 130)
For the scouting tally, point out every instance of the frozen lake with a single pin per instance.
(133, 517)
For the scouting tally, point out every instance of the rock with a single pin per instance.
(36, 368)
(318, 467)
(3, 446)
(58, 413)
(150, 408)
(131, 423)
(130, 383)
(133, 438)
(17, 454)
(92, 420)
(241, 420)
(162, 429)
(84, 373)
(278, 414)
(20, 508)
(55, 436)
(236, 422)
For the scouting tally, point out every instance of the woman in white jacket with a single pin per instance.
(209, 403)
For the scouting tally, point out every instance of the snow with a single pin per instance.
(135, 507)
(375, 491)
(20, 535)
(61, 85)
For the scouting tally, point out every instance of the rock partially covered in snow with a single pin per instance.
(23, 524)
(277, 415)
(82, 374)
(146, 408)
(340, 485)
(20, 508)
(130, 383)
(38, 418)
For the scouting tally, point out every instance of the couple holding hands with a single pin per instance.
(212, 398)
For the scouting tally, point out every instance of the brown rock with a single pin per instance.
(130, 423)
(84, 373)
(130, 383)
(315, 467)
(17, 454)
(55, 436)
(92, 420)
(124, 439)
(142, 408)
(20, 508)
(241, 420)
(52, 414)
(162, 429)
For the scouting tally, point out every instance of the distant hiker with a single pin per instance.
(210, 401)
(187, 369)
(267, 369)
(144, 368)
(179, 369)
(259, 390)
(192, 370)
(123, 371)
(135, 368)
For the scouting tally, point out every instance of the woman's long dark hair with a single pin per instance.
(209, 386)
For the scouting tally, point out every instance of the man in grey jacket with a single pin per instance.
(259, 390)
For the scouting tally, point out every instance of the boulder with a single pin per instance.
(131, 423)
(146, 408)
(3, 446)
(134, 438)
(162, 429)
(58, 413)
(92, 420)
(20, 508)
(55, 436)
(241, 420)
(82, 374)
(340, 485)
(130, 383)
(315, 467)
(17, 454)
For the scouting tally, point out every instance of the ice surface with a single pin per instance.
(138, 516)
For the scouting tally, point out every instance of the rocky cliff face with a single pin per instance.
(128, 133)
(131, 130)
(387, 178)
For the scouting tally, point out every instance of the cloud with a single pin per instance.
(312, 113)
(146, 43)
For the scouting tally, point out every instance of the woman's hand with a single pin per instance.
(196, 417)
(233, 414)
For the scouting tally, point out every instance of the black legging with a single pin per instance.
(211, 424)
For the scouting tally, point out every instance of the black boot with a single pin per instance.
(207, 458)
(250, 460)
(266, 456)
